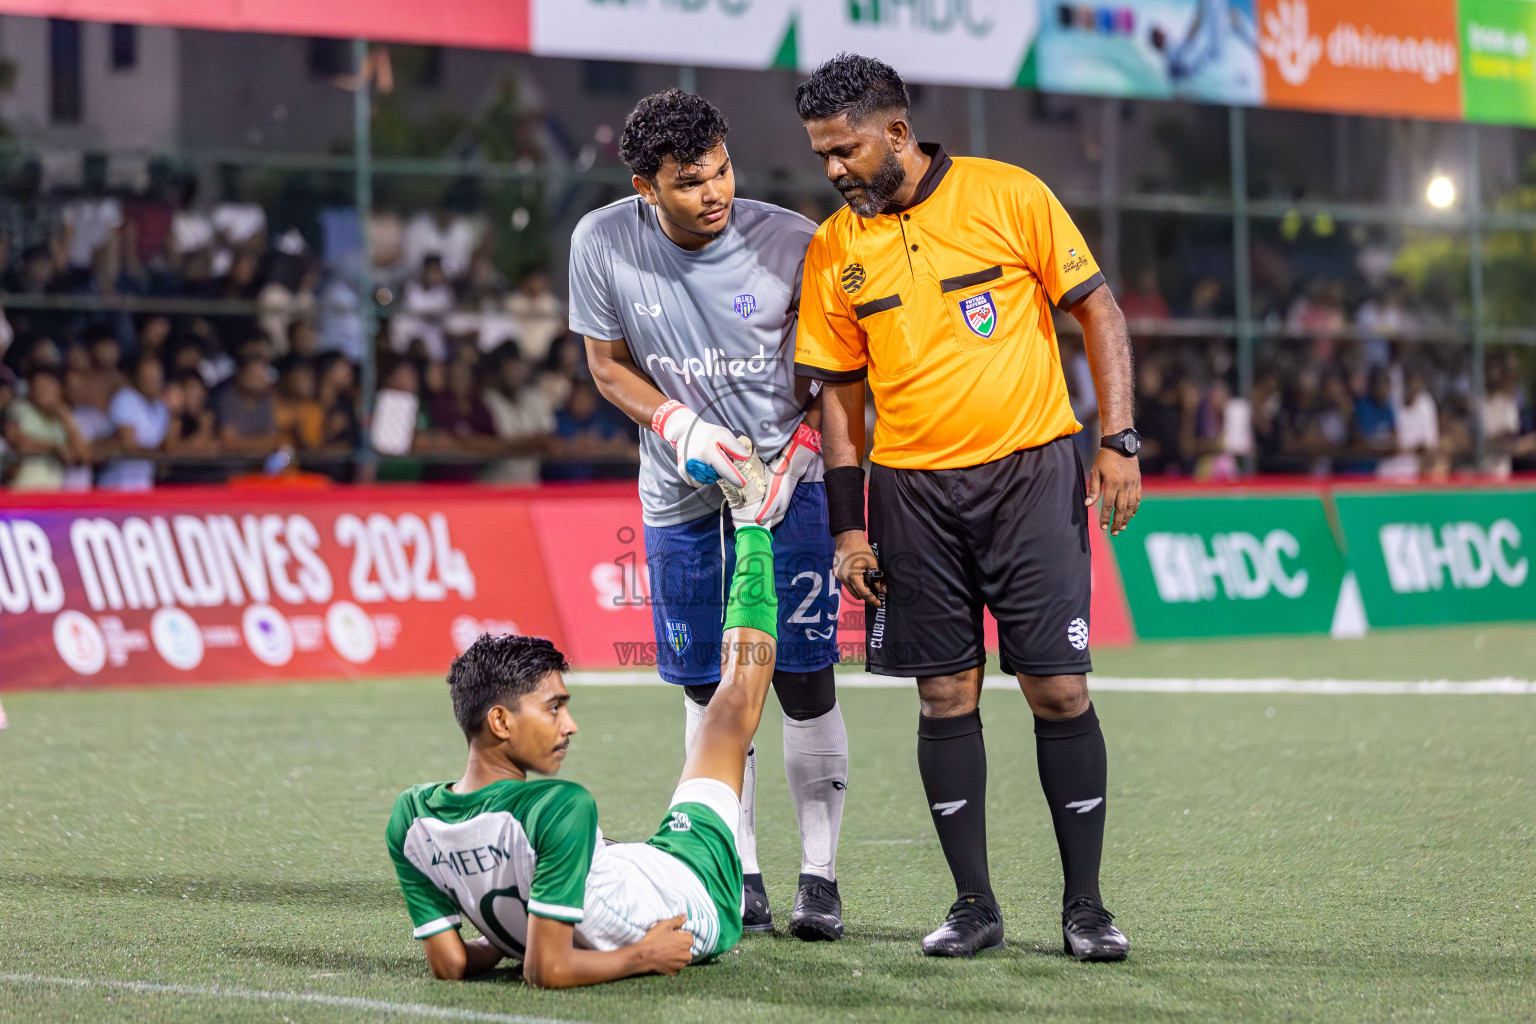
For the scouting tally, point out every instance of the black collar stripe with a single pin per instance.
(938, 166)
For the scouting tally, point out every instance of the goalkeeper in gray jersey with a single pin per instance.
(689, 299)
(524, 860)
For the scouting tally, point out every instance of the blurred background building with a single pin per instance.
(1321, 230)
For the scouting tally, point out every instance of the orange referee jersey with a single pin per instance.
(945, 306)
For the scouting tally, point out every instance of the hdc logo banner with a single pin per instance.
(714, 33)
(1430, 557)
(962, 42)
(1225, 566)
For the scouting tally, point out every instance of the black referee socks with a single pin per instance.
(1073, 773)
(952, 760)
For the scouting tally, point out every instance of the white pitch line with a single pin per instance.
(1323, 687)
(268, 996)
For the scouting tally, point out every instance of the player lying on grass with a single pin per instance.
(524, 860)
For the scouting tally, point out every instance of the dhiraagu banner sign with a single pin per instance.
(1430, 557)
(713, 33)
(1233, 566)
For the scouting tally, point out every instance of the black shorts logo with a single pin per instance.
(853, 277)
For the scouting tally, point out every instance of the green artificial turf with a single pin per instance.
(1272, 857)
(1461, 653)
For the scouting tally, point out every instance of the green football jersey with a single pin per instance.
(515, 848)
(494, 855)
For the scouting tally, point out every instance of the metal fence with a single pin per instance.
(1469, 326)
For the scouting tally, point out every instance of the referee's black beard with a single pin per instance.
(877, 191)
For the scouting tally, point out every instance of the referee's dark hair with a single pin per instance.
(498, 670)
(672, 124)
(849, 83)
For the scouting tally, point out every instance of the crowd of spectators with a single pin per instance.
(1336, 391)
(496, 387)
(256, 367)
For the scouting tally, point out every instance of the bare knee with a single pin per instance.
(1055, 697)
(950, 696)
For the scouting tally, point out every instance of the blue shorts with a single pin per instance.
(689, 580)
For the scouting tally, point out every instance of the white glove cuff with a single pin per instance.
(672, 419)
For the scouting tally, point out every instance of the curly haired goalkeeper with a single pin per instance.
(688, 299)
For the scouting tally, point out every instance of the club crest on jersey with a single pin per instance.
(746, 305)
(679, 636)
(853, 277)
(980, 314)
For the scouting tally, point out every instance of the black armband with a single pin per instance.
(845, 499)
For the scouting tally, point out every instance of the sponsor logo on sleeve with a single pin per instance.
(853, 277)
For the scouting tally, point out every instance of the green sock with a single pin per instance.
(754, 602)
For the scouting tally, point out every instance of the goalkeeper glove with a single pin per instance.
(785, 473)
(706, 452)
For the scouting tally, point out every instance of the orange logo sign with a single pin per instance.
(1386, 58)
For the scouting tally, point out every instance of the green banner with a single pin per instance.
(1429, 557)
(1230, 566)
(1498, 61)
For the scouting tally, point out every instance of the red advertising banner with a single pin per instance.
(595, 552)
(218, 585)
(222, 586)
(485, 24)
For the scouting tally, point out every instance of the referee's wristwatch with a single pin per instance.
(1127, 442)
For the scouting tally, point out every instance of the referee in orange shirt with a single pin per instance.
(935, 285)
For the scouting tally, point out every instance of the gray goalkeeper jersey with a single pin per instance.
(714, 329)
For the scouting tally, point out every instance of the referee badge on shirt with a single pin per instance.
(980, 314)
(746, 305)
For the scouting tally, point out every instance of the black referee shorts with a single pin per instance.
(1010, 535)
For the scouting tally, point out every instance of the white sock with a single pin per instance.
(746, 842)
(693, 715)
(816, 764)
